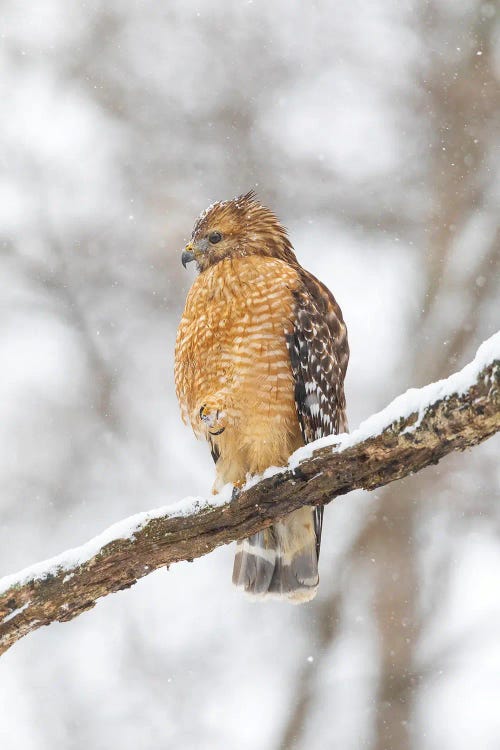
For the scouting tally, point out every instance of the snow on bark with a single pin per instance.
(417, 429)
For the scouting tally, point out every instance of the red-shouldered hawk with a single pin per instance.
(260, 360)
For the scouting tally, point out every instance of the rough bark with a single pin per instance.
(404, 447)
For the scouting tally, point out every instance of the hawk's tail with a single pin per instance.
(282, 561)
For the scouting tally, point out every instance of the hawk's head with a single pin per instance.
(235, 228)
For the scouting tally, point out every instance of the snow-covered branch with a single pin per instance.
(415, 430)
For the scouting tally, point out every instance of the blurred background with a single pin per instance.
(372, 129)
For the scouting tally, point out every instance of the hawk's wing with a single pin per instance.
(319, 354)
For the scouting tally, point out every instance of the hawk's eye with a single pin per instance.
(214, 237)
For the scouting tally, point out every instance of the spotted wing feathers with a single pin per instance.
(319, 354)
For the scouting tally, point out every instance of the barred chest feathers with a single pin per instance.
(231, 349)
(261, 356)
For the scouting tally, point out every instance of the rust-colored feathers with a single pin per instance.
(246, 227)
(260, 361)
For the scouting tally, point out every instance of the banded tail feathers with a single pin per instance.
(281, 561)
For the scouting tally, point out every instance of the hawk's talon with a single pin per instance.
(214, 419)
(219, 432)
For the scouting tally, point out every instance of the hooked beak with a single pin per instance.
(187, 255)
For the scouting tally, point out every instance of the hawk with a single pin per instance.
(260, 360)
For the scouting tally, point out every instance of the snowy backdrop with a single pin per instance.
(372, 129)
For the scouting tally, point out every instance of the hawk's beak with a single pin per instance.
(187, 255)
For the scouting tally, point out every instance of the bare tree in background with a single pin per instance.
(460, 95)
(370, 129)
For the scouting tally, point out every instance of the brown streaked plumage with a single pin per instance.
(260, 361)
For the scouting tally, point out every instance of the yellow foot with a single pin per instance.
(214, 419)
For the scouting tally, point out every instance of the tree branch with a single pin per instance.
(417, 429)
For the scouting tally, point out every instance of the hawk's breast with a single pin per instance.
(231, 343)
